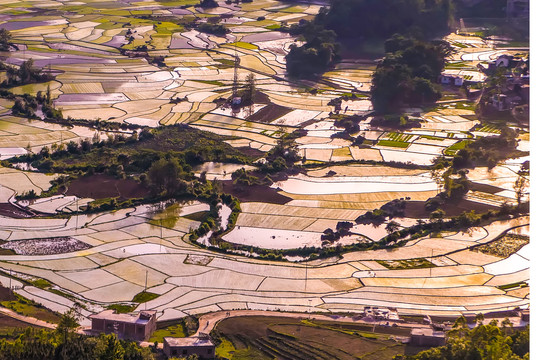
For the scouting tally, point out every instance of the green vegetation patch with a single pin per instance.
(144, 296)
(41, 283)
(490, 129)
(122, 308)
(466, 105)
(176, 330)
(429, 137)
(392, 143)
(453, 149)
(243, 45)
(399, 136)
(520, 284)
(30, 308)
(167, 28)
(419, 263)
(211, 82)
(226, 62)
(198, 216)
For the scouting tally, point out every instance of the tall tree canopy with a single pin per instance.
(408, 74)
(381, 19)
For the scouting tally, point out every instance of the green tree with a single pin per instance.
(112, 348)
(69, 321)
(164, 176)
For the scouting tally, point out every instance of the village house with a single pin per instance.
(451, 79)
(138, 326)
(381, 313)
(202, 346)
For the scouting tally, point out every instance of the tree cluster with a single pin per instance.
(66, 345)
(215, 29)
(207, 4)
(318, 53)
(343, 228)
(380, 19)
(487, 150)
(408, 74)
(25, 74)
(483, 342)
(392, 209)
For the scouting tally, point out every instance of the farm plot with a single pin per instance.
(308, 186)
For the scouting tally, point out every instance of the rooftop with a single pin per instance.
(188, 341)
(140, 318)
(427, 332)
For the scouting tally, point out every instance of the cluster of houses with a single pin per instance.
(512, 93)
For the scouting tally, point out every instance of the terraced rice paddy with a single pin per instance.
(182, 77)
(122, 246)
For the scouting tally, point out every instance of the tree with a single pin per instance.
(113, 349)
(437, 174)
(392, 226)
(164, 176)
(520, 187)
(479, 318)
(5, 40)
(69, 321)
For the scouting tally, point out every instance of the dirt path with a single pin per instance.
(27, 319)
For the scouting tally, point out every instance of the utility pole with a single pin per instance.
(305, 283)
(431, 261)
(235, 76)
(146, 281)
(145, 286)
(76, 214)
